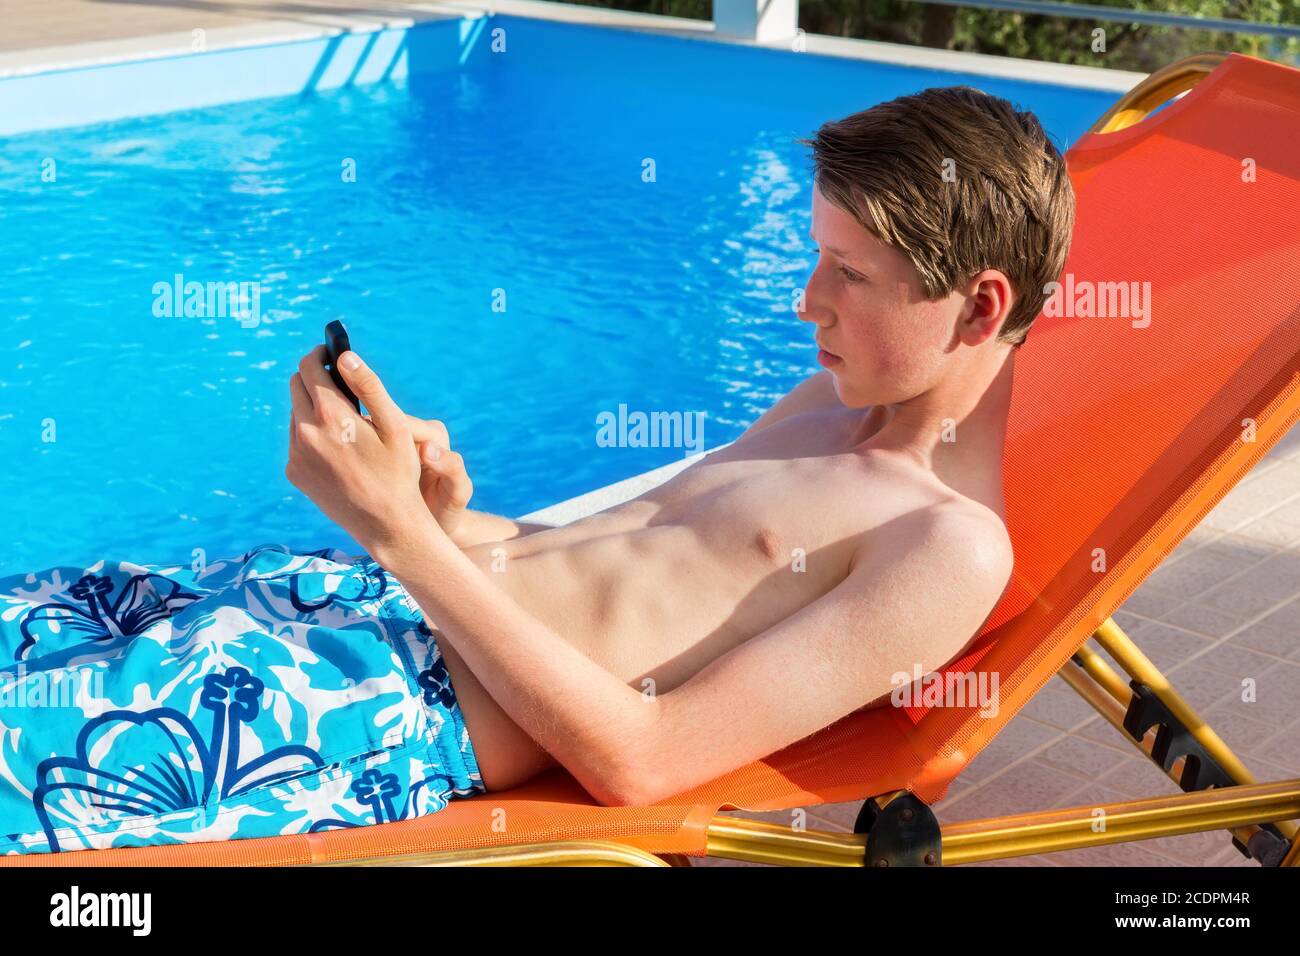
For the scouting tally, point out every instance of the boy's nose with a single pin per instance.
(800, 305)
(808, 309)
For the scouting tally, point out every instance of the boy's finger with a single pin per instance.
(388, 419)
(452, 477)
(299, 397)
(429, 431)
(311, 370)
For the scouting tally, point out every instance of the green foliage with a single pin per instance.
(1127, 46)
(690, 9)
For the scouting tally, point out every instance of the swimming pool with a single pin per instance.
(504, 258)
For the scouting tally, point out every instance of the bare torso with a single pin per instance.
(662, 585)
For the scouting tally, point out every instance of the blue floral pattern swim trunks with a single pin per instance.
(275, 693)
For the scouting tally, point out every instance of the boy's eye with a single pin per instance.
(850, 275)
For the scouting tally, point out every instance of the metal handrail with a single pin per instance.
(1088, 11)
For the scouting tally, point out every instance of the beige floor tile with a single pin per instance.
(1186, 578)
(1231, 659)
(1137, 778)
(1100, 731)
(1237, 600)
(1023, 788)
(1019, 738)
(1166, 645)
(1087, 758)
(1277, 576)
(1151, 603)
(1289, 512)
(1277, 698)
(1282, 749)
(1288, 446)
(1057, 704)
(1232, 857)
(1091, 795)
(1200, 686)
(1209, 622)
(1274, 531)
(1241, 732)
(1192, 849)
(1115, 854)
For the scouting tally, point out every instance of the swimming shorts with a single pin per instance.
(276, 693)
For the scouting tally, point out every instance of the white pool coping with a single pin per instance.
(324, 25)
(598, 499)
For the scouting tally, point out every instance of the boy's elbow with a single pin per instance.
(636, 776)
(634, 786)
(631, 792)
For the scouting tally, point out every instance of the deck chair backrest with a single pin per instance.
(1164, 370)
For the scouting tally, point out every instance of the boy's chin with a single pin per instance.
(848, 394)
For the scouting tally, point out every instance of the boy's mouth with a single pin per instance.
(827, 359)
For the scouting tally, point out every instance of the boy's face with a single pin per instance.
(886, 341)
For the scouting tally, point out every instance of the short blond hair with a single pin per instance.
(1006, 202)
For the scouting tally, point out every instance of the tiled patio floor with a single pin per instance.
(1223, 607)
(34, 24)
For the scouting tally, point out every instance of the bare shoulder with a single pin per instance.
(961, 547)
(815, 392)
(942, 517)
(976, 537)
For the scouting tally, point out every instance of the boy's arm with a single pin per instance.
(480, 527)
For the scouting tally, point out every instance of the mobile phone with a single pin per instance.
(336, 343)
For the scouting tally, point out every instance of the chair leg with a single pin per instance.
(1161, 724)
(901, 831)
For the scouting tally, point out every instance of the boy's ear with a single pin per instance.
(989, 300)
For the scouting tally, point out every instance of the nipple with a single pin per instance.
(768, 543)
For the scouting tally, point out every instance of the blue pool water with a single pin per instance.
(520, 172)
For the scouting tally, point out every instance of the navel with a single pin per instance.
(768, 543)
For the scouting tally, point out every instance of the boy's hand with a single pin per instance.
(444, 482)
(363, 473)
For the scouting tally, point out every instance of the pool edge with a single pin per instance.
(20, 69)
(615, 493)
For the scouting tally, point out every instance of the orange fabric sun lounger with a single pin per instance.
(1125, 430)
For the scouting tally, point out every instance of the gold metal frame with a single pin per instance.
(1164, 84)
(1241, 809)
(563, 853)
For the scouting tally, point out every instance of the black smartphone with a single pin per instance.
(336, 343)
